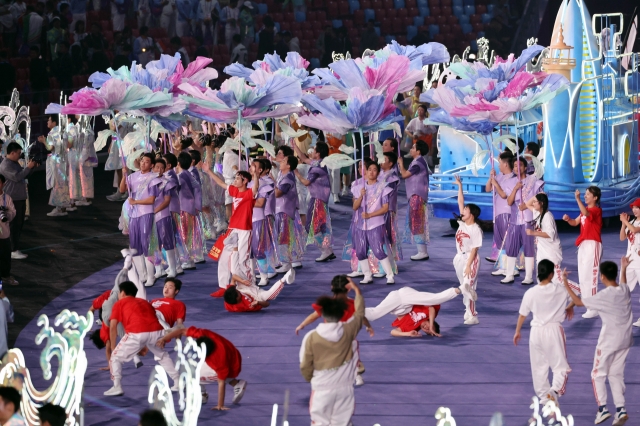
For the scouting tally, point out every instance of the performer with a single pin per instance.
(549, 303)
(318, 224)
(223, 363)
(520, 221)
(143, 190)
(370, 232)
(589, 243)
(389, 175)
(169, 311)
(329, 360)
(630, 232)
(142, 330)
(613, 304)
(349, 252)
(243, 296)
(87, 159)
(288, 225)
(416, 310)
(270, 215)
(201, 250)
(57, 179)
(189, 225)
(174, 207)
(231, 164)
(164, 237)
(263, 239)
(339, 289)
(503, 185)
(467, 260)
(417, 182)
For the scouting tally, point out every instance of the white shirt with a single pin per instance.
(417, 127)
(614, 306)
(468, 237)
(207, 7)
(548, 248)
(633, 245)
(546, 302)
(229, 161)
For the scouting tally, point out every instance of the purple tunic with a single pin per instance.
(265, 190)
(164, 189)
(531, 185)
(506, 182)
(186, 194)
(392, 179)
(197, 188)
(376, 196)
(288, 202)
(270, 205)
(141, 186)
(174, 207)
(320, 186)
(418, 182)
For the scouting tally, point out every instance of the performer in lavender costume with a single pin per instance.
(371, 203)
(503, 185)
(389, 175)
(270, 215)
(189, 226)
(174, 208)
(263, 242)
(417, 183)
(318, 225)
(521, 220)
(164, 237)
(143, 190)
(288, 225)
(201, 250)
(57, 179)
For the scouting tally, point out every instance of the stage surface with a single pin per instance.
(473, 370)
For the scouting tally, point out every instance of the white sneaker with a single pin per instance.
(114, 391)
(83, 203)
(71, 209)
(590, 314)
(360, 274)
(359, 380)
(345, 192)
(468, 291)
(336, 198)
(498, 272)
(263, 281)
(620, 417)
(637, 323)
(271, 274)
(420, 256)
(367, 279)
(296, 265)
(602, 415)
(238, 391)
(160, 272)
(188, 266)
(150, 282)
(283, 269)
(57, 212)
(507, 280)
(527, 281)
(472, 321)
(290, 276)
(379, 275)
(18, 255)
(115, 196)
(205, 398)
(390, 280)
(325, 258)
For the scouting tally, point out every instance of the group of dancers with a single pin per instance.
(176, 202)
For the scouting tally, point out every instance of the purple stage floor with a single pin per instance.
(473, 370)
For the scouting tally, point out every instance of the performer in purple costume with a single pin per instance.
(200, 251)
(189, 225)
(174, 207)
(503, 185)
(263, 242)
(288, 225)
(371, 203)
(417, 183)
(389, 175)
(318, 225)
(521, 220)
(143, 190)
(165, 229)
(270, 214)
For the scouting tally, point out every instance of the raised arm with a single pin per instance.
(220, 182)
(303, 180)
(458, 182)
(301, 155)
(624, 263)
(583, 209)
(403, 172)
(574, 298)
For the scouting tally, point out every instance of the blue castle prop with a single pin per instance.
(589, 132)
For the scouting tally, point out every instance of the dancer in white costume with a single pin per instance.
(629, 231)
(467, 260)
(549, 303)
(613, 305)
(589, 243)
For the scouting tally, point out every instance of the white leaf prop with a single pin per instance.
(231, 144)
(132, 157)
(289, 132)
(378, 147)
(478, 161)
(268, 147)
(156, 129)
(395, 126)
(101, 140)
(508, 141)
(133, 141)
(263, 129)
(346, 149)
(337, 161)
(539, 168)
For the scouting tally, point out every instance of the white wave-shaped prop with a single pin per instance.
(68, 348)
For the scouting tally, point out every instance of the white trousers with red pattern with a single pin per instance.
(548, 350)
(460, 263)
(589, 254)
(609, 365)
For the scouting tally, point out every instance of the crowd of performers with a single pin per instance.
(265, 212)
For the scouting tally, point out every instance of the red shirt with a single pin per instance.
(590, 226)
(99, 301)
(104, 333)
(242, 214)
(243, 306)
(413, 319)
(172, 310)
(225, 358)
(136, 315)
(351, 308)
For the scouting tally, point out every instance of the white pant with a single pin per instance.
(400, 302)
(207, 375)
(236, 261)
(260, 294)
(334, 179)
(547, 350)
(459, 263)
(633, 277)
(332, 407)
(609, 364)
(589, 254)
(131, 344)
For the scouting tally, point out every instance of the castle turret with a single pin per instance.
(559, 60)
